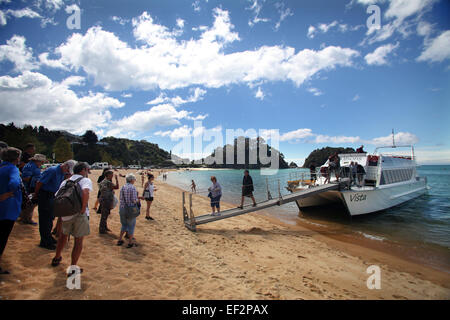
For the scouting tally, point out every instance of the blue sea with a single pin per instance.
(422, 224)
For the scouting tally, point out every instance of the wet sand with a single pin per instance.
(252, 256)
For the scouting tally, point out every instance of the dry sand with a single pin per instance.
(246, 257)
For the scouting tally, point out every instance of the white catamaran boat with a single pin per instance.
(389, 180)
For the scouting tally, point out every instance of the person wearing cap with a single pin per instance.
(76, 225)
(30, 174)
(46, 187)
(106, 198)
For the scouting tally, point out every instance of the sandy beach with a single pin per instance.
(247, 257)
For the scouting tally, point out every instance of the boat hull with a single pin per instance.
(359, 201)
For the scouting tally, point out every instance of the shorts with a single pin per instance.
(149, 199)
(78, 226)
(215, 202)
(128, 225)
(247, 194)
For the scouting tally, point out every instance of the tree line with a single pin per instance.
(87, 147)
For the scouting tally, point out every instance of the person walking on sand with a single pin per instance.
(247, 189)
(10, 195)
(149, 190)
(46, 187)
(215, 192)
(128, 198)
(107, 188)
(30, 174)
(75, 225)
(193, 187)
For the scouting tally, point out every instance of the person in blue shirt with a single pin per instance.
(30, 175)
(10, 195)
(46, 187)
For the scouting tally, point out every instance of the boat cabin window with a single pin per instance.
(389, 176)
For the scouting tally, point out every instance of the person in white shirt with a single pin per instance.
(76, 225)
(149, 190)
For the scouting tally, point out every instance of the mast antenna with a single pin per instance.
(393, 139)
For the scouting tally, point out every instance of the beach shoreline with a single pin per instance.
(247, 257)
(385, 251)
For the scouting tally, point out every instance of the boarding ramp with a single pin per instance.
(191, 221)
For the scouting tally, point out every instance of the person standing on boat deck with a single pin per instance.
(360, 149)
(337, 166)
(312, 173)
(215, 192)
(247, 189)
(149, 190)
(353, 172)
(76, 225)
(331, 166)
(107, 188)
(10, 195)
(46, 187)
(360, 172)
(193, 187)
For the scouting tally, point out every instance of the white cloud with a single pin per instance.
(298, 134)
(324, 28)
(256, 8)
(53, 5)
(196, 95)
(162, 115)
(284, 13)
(73, 81)
(44, 60)
(378, 57)
(315, 91)
(305, 135)
(126, 95)
(16, 51)
(3, 20)
(120, 20)
(403, 15)
(52, 104)
(196, 5)
(259, 94)
(311, 32)
(438, 49)
(164, 62)
(401, 138)
(187, 132)
(25, 12)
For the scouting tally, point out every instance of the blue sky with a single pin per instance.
(313, 70)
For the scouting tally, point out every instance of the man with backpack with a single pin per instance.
(71, 203)
(46, 187)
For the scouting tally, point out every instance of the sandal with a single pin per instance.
(120, 242)
(56, 261)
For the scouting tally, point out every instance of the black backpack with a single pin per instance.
(68, 199)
